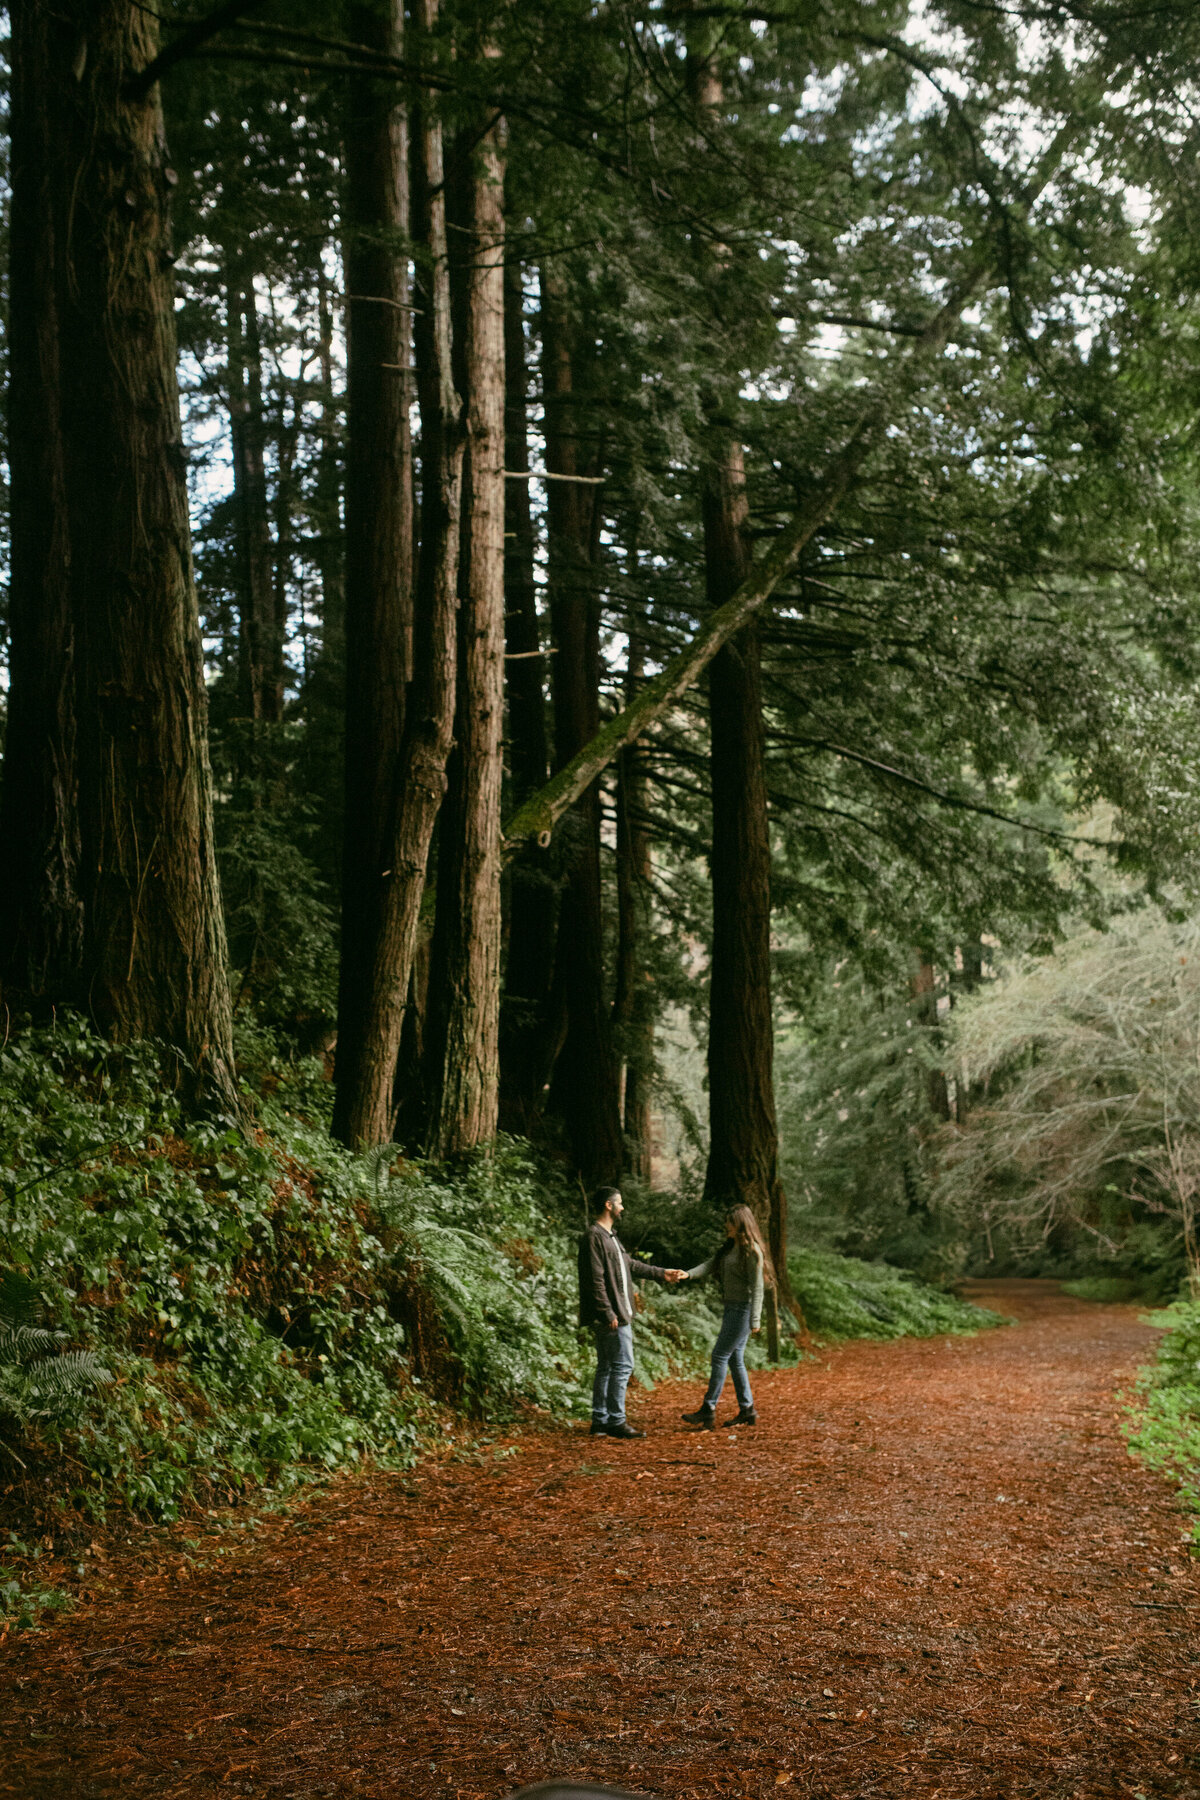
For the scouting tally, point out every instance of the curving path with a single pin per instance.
(933, 1570)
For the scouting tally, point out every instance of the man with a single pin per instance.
(606, 1304)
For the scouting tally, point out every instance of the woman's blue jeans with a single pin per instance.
(729, 1355)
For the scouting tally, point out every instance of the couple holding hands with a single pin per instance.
(742, 1266)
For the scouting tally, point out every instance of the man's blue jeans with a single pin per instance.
(614, 1366)
(729, 1355)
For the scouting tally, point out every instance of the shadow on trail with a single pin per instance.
(932, 1570)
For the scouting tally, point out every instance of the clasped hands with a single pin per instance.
(674, 1275)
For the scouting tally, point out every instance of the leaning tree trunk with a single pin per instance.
(365, 1099)
(532, 891)
(119, 847)
(585, 1083)
(465, 981)
(378, 600)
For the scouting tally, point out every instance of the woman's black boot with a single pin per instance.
(705, 1417)
(746, 1415)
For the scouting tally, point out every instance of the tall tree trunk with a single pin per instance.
(632, 1010)
(118, 847)
(364, 1112)
(260, 623)
(924, 989)
(585, 1090)
(378, 604)
(328, 496)
(743, 1156)
(465, 981)
(743, 1134)
(532, 892)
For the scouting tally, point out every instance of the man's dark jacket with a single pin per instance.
(601, 1290)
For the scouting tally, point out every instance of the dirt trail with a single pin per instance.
(932, 1569)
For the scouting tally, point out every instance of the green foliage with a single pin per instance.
(234, 1290)
(845, 1298)
(1165, 1423)
(270, 1305)
(1084, 1111)
(1107, 1289)
(24, 1597)
(856, 1129)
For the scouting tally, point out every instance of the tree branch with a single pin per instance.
(188, 41)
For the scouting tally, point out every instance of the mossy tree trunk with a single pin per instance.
(111, 894)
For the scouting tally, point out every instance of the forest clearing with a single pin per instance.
(935, 1571)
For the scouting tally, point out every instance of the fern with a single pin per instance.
(37, 1379)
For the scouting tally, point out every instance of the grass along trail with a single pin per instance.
(932, 1570)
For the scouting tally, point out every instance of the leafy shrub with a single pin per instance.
(845, 1298)
(1109, 1288)
(269, 1304)
(1165, 1425)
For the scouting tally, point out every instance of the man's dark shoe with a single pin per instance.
(704, 1417)
(598, 1429)
(746, 1415)
(625, 1430)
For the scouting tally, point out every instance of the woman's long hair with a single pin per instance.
(748, 1238)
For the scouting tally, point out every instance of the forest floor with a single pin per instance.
(932, 1570)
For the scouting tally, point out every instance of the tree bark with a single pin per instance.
(924, 989)
(365, 1099)
(743, 1135)
(584, 1089)
(465, 982)
(260, 620)
(526, 1057)
(633, 1013)
(119, 848)
(378, 609)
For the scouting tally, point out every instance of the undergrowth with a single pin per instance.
(1164, 1427)
(844, 1298)
(192, 1312)
(266, 1304)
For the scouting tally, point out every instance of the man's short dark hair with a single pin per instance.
(601, 1198)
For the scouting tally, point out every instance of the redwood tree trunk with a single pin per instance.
(585, 1082)
(378, 607)
(260, 620)
(743, 1135)
(633, 1013)
(465, 983)
(365, 1100)
(532, 891)
(118, 848)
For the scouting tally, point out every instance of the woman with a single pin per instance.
(743, 1267)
